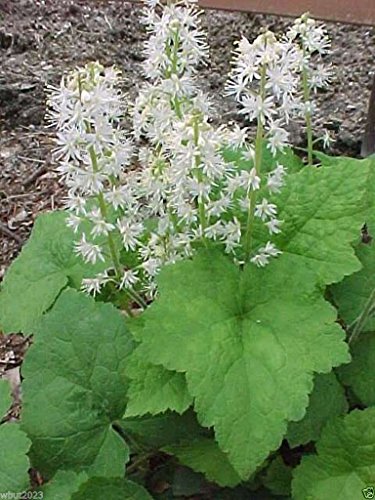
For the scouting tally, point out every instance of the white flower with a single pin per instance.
(262, 258)
(273, 226)
(275, 179)
(91, 285)
(129, 278)
(90, 252)
(130, 232)
(277, 137)
(265, 209)
(327, 139)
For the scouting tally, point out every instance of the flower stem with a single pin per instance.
(252, 193)
(309, 131)
(201, 206)
(103, 211)
(363, 317)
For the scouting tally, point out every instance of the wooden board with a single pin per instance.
(347, 11)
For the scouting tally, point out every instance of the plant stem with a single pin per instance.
(103, 211)
(362, 319)
(252, 193)
(306, 98)
(201, 206)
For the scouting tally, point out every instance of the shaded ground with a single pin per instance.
(39, 40)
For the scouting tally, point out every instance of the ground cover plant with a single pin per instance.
(203, 307)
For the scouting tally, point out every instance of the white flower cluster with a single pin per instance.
(183, 194)
(94, 153)
(265, 81)
(314, 42)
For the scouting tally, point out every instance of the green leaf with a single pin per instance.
(63, 485)
(344, 464)
(326, 401)
(163, 430)
(14, 463)
(323, 210)
(153, 389)
(248, 350)
(45, 266)
(278, 477)
(204, 455)
(75, 387)
(359, 375)
(352, 294)
(98, 488)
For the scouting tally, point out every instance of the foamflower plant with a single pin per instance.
(204, 293)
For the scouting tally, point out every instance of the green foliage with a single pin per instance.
(63, 485)
(323, 211)
(14, 445)
(327, 400)
(352, 294)
(78, 358)
(154, 389)
(204, 455)
(248, 351)
(152, 433)
(344, 463)
(225, 364)
(360, 374)
(46, 265)
(98, 488)
(278, 477)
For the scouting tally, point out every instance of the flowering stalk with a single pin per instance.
(252, 194)
(314, 43)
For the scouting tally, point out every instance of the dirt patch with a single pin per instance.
(40, 40)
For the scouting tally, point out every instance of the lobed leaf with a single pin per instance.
(204, 455)
(344, 465)
(249, 352)
(98, 488)
(14, 445)
(75, 387)
(353, 293)
(359, 375)
(324, 210)
(153, 389)
(46, 265)
(327, 401)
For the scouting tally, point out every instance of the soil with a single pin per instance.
(42, 39)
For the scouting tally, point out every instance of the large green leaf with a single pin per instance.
(74, 387)
(359, 375)
(159, 431)
(153, 389)
(204, 455)
(353, 293)
(249, 343)
(67, 485)
(344, 464)
(45, 266)
(327, 401)
(99, 488)
(63, 485)
(14, 445)
(323, 211)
